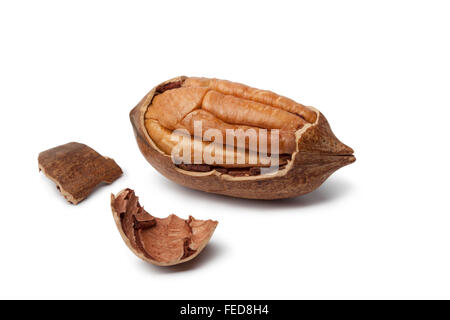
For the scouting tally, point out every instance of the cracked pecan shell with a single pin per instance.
(308, 153)
(162, 242)
(77, 169)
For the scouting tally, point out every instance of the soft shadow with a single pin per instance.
(211, 252)
(332, 189)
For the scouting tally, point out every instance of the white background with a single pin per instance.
(378, 70)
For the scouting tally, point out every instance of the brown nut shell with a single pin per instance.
(318, 154)
(77, 169)
(162, 242)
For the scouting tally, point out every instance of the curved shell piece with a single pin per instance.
(162, 242)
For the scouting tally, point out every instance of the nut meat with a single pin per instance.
(307, 154)
(163, 242)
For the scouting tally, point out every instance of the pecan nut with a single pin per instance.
(268, 131)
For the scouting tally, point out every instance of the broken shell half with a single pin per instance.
(162, 242)
(315, 155)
